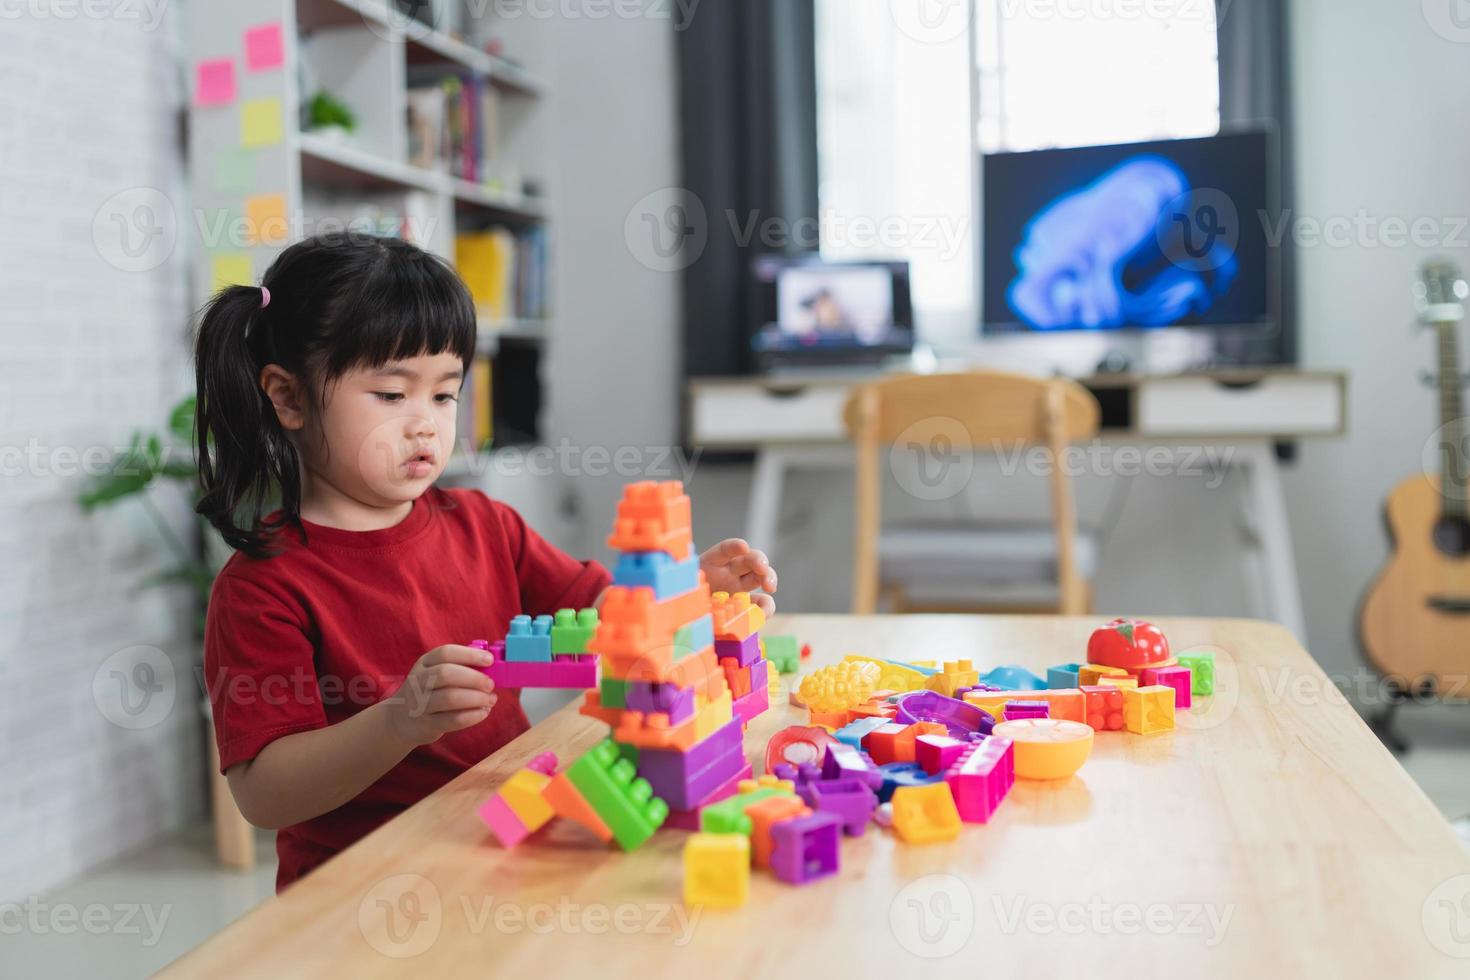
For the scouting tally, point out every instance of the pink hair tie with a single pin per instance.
(265, 297)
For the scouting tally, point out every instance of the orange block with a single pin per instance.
(633, 623)
(737, 677)
(654, 517)
(1104, 707)
(701, 671)
(735, 616)
(879, 743)
(956, 674)
(567, 801)
(653, 731)
(905, 743)
(1090, 674)
(765, 815)
(829, 719)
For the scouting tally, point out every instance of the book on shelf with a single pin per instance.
(476, 415)
(505, 270)
(454, 124)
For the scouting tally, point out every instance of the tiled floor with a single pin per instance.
(180, 896)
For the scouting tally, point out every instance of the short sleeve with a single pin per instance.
(549, 578)
(259, 668)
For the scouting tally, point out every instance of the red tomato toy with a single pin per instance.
(1128, 644)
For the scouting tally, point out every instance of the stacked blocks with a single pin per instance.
(569, 671)
(572, 631)
(519, 808)
(529, 640)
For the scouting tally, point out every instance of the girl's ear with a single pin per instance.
(286, 394)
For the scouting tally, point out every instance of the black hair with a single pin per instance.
(336, 303)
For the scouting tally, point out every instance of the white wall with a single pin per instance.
(92, 331)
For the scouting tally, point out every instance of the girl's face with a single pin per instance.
(385, 433)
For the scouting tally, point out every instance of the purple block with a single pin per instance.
(845, 762)
(760, 674)
(850, 799)
(688, 819)
(564, 672)
(806, 848)
(981, 778)
(1027, 709)
(1178, 678)
(745, 652)
(753, 704)
(681, 779)
(670, 699)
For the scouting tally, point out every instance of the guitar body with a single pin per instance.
(1415, 618)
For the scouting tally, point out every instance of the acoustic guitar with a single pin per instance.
(1415, 618)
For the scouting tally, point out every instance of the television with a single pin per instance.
(1136, 236)
(813, 312)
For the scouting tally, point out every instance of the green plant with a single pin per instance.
(146, 461)
(327, 110)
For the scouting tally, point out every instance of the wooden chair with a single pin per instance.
(1036, 568)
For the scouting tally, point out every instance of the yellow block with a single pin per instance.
(522, 793)
(1150, 709)
(716, 715)
(717, 870)
(1089, 674)
(925, 814)
(1124, 682)
(956, 674)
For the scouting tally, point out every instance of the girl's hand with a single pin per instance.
(734, 566)
(444, 692)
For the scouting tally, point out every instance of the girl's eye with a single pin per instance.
(389, 396)
(446, 398)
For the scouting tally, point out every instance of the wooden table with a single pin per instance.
(1271, 834)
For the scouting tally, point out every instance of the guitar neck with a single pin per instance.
(1451, 418)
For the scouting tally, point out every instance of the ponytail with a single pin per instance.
(243, 452)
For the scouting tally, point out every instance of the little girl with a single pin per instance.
(334, 649)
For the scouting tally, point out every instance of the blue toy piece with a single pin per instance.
(926, 671)
(657, 570)
(856, 730)
(896, 774)
(694, 637)
(1013, 678)
(1063, 677)
(529, 640)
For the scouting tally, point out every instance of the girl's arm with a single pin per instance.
(306, 774)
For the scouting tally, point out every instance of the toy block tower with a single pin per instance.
(681, 669)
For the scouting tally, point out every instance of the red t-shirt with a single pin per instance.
(311, 636)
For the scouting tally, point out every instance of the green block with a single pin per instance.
(614, 693)
(572, 631)
(629, 752)
(784, 652)
(728, 816)
(1201, 666)
(623, 801)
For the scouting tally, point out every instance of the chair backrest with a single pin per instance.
(975, 411)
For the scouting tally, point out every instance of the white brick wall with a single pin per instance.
(93, 343)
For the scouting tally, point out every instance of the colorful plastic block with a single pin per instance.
(717, 870)
(980, 779)
(856, 730)
(1090, 674)
(925, 814)
(1201, 664)
(936, 753)
(676, 702)
(851, 800)
(694, 637)
(735, 616)
(899, 774)
(744, 652)
(783, 652)
(1104, 708)
(529, 640)
(624, 802)
(806, 848)
(653, 517)
(1176, 677)
(1012, 677)
(655, 731)
(683, 779)
(1147, 710)
(568, 803)
(896, 676)
(839, 687)
(956, 674)
(1064, 676)
(504, 822)
(689, 819)
(752, 705)
(1047, 748)
(1026, 709)
(879, 743)
(522, 793)
(905, 743)
(566, 673)
(729, 817)
(765, 815)
(657, 570)
(633, 624)
(572, 631)
(842, 761)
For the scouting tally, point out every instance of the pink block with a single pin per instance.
(561, 672)
(752, 704)
(1176, 677)
(503, 822)
(1027, 709)
(981, 777)
(545, 763)
(937, 753)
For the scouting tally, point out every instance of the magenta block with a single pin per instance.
(753, 704)
(981, 777)
(746, 652)
(937, 753)
(849, 799)
(843, 761)
(545, 763)
(561, 672)
(806, 848)
(670, 699)
(1176, 677)
(1027, 709)
(503, 822)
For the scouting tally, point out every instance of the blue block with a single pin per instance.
(896, 774)
(657, 570)
(529, 640)
(856, 730)
(694, 637)
(1013, 678)
(1064, 676)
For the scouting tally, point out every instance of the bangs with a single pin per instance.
(410, 303)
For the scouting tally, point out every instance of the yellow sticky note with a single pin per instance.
(260, 122)
(231, 269)
(265, 219)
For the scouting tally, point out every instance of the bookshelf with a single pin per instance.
(262, 176)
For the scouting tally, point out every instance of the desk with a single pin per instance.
(1273, 809)
(795, 422)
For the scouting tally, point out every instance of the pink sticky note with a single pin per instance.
(214, 82)
(263, 47)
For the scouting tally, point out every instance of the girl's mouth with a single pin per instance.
(420, 464)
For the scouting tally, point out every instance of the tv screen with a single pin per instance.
(806, 304)
(1132, 236)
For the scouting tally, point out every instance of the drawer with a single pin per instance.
(747, 414)
(1273, 405)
